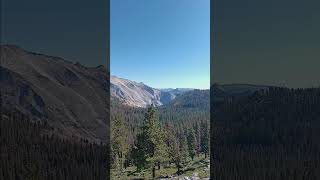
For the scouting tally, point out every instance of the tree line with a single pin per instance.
(30, 151)
(154, 143)
(270, 134)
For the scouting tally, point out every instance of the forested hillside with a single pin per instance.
(54, 117)
(177, 133)
(191, 107)
(30, 151)
(271, 134)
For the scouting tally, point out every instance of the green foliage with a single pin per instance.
(150, 141)
(119, 144)
(182, 157)
(204, 138)
(171, 142)
(140, 152)
(156, 136)
(28, 152)
(191, 143)
(270, 134)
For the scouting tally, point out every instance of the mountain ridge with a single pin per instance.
(138, 94)
(71, 97)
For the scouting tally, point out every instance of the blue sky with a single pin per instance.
(74, 29)
(163, 43)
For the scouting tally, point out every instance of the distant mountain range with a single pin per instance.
(221, 92)
(136, 94)
(140, 95)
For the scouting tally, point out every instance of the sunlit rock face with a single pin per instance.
(140, 95)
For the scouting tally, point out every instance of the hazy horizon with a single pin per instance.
(138, 81)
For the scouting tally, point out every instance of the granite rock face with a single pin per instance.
(140, 95)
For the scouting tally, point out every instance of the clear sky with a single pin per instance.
(162, 43)
(267, 42)
(75, 30)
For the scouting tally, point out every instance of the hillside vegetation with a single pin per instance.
(165, 141)
(271, 134)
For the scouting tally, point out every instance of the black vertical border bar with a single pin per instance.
(1, 25)
(211, 85)
(108, 153)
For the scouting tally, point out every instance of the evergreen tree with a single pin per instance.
(150, 142)
(197, 130)
(140, 151)
(182, 155)
(119, 136)
(191, 143)
(32, 154)
(204, 142)
(171, 142)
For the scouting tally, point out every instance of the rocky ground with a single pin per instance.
(195, 176)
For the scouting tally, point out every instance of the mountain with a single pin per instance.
(73, 98)
(140, 95)
(201, 98)
(224, 91)
(193, 99)
(70, 97)
(136, 94)
(176, 91)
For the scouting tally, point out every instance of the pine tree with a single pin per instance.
(171, 142)
(204, 145)
(198, 138)
(140, 151)
(191, 143)
(182, 155)
(119, 136)
(151, 148)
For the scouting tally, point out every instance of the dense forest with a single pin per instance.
(159, 137)
(30, 151)
(271, 134)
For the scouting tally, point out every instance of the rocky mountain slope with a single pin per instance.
(71, 97)
(140, 95)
